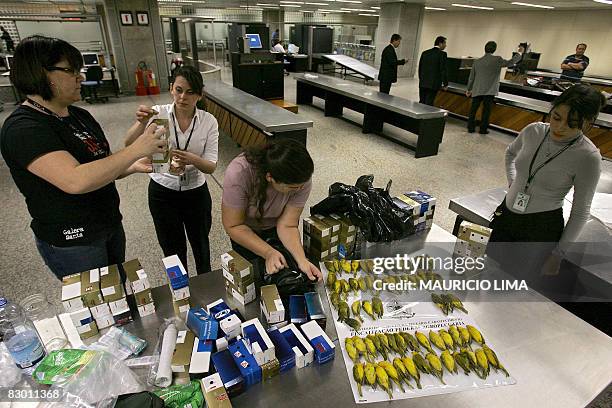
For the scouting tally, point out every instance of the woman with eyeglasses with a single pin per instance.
(179, 200)
(264, 193)
(61, 160)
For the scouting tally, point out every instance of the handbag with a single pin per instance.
(289, 280)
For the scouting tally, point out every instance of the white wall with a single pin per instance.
(553, 33)
(82, 35)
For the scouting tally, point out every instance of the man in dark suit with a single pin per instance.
(432, 72)
(387, 73)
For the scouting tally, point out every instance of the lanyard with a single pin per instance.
(58, 117)
(178, 146)
(532, 175)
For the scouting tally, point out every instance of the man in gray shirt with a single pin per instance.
(483, 84)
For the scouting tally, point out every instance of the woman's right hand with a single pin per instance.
(275, 261)
(150, 142)
(144, 114)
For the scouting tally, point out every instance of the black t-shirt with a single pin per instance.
(59, 218)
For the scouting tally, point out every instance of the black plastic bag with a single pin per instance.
(371, 209)
(290, 280)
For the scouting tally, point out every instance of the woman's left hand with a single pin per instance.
(551, 265)
(313, 273)
(141, 166)
(184, 158)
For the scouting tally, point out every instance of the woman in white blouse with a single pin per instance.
(180, 201)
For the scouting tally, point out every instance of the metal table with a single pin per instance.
(590, 80)
(261, 114)
(377, 108)
(360, 69)
(557, 359)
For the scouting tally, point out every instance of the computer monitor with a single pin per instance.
(254, 41)
(90, 59)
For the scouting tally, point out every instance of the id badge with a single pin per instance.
(521, 201)
(184, 179)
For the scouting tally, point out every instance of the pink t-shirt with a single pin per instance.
(239, 191)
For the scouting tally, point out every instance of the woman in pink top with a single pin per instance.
(264, 193)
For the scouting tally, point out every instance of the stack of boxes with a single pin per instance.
(472, 240)
(348, 232)
(272, 307)
(181, 358)
(179, 285)
(73, 303)
(139, 285)
(91, 293)
(320, 239)
(114, 294)
(420, 205)
(239, 277)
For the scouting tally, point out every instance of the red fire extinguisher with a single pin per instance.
(152, 88)
(141, 89)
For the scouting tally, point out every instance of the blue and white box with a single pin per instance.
(218, 309)
(177, 274)
(245, 361)
(261, 345)
(229, 372)
(230, 325)
(202, 324)
(284, 352)
(304, 353)
(315, 308)
(200, 357)
(323, 347)
(297, 309)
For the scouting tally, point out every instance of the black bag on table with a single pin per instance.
(143, 399)
(290, 280)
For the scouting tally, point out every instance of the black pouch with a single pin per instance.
(290, 280)
(139, 400)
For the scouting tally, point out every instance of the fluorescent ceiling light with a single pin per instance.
(375, 8)
(267, 4)
(473, 7)
(518, 3)
(349, 1)
(290, 5)
(333, 11)
(368, 15)
(435, 8)
(604, 1)
(292, 2)
(317, 4)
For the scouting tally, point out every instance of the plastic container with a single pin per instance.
(20, 336)
(43, 315)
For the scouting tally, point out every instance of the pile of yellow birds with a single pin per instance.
(416, 356)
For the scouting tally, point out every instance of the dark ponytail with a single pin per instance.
(287, 161)
(584, 103)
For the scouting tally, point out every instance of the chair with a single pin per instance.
(92, 83)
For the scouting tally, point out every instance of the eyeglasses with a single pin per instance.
(70, 71)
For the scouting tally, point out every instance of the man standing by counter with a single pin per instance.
(573, 66)
(483, 84)
(432, 72)
(388, 64)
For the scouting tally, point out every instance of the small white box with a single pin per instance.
(100, 310)
(263, 353)
(119, 306)
(180, 294)
(85, 328)
(71, 331)
(146, 310)
(230, 326)
(247, 297)
(81, 317)
(49, 329)
(71, 297)
(301, 359)
(200, 356)
(105, 321)
(221, 344)
(142, 283)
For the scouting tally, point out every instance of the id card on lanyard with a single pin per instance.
(522, 199)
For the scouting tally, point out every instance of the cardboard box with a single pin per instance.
(214, 392)
(119, 306)
(324, 348)
(310, 244)
(245, 299)
(202, 324)
(243, 286)
(90, 288)
(221, 344)
(333, 223)
(229, 372)
(270, 369)
(261, 345)
(181, 358)
(230, 325)
(176, 272)
(88, 330)
(218, 309)
(100, 310)
(314, 306)
(200, 358)
(297, 309)
(271, 304)
(180, 294)
(284, 352)
(122, 318)
(245, 361)
(105, 321)
(181, 307)
(237, 267)
(143, 298)
(304, 353)
(136, 276)
(71, 293)
(146, 310)
(70, 329)
(317, 230)
(475, 233)
(81, 317)
(346, 225)
(110, 284)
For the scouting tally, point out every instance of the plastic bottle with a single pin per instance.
(19, 335)
(43, 315)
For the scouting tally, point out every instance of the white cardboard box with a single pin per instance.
(231, 326)
(119, 306)
(263, 353)
(200, 357)
(301, 360)
(146, 310)
(100, 310)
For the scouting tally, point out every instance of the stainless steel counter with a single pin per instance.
(591, 80)
(353, 64)
(557, 359)
(262, 114)
(372, 96)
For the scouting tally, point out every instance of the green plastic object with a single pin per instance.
(61, 364)
(182, 396)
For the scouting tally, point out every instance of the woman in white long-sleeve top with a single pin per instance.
(542, 164)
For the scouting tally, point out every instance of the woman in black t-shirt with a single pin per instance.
(61, 161)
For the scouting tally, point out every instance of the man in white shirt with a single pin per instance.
(278, 47)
